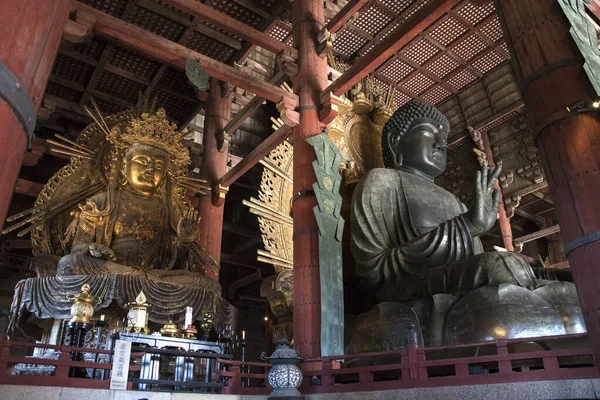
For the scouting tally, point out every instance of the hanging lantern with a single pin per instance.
(83, 305)
(284, 375)
(137, 316)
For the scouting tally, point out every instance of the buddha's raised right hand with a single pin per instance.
(481, 216)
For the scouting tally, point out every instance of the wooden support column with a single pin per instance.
(549, 67)
(503, 220)
(555, 248)
(30, 32)
(307, 20)
(214, 165)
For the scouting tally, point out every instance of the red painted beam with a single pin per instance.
(175, 55)
(232, 25)
(256, 155)
(351, 8)
(412, 28)
(28, 188)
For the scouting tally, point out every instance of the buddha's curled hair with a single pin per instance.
(401, 121)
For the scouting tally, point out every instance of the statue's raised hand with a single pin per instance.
(481, 216)
(188, 227)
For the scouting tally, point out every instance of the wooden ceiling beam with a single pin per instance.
(176, 55)
(538, 235)
(253, 158)
(232, 25)
(247, 48)
(413, 27)
(529, 189)
(345, 14)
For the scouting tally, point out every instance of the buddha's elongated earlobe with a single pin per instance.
(394, 139)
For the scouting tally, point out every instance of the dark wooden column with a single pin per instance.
(30, 32)
(214, 165)
(307, 19)
(555, 250)
(550, 71)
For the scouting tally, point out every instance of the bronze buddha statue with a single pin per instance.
(415, 242)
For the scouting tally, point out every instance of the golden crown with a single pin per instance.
(154, 130)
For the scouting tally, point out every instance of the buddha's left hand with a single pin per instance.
(188, 227)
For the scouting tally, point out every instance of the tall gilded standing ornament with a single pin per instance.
(118, 218)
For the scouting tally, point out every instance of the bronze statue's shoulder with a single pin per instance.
(380, 180)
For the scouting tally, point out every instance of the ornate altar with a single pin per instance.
(118, 218)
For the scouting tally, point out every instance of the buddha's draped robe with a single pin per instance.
(409, 238)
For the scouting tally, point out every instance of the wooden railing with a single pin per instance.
(64, 367)
(502, 361)
(244, 377)
(482, 363)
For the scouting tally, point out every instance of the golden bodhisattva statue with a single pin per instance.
(133, 229)
(118, 218)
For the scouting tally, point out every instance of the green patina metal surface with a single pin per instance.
(196, 74)
(331, 225)
(585, 36)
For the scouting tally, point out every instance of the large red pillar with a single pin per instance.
(30, 32)
(214, 166)
(549, 68)
(307, 20)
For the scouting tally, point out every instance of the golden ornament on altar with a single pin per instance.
(83, 305)
(170, 329)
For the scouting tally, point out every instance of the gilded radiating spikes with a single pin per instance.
(287, 87)
(191, 179)
(18, 225)
(197, 189)
(276, 170)
(80, 147)
(273, 256)
(19, 215)
(91, 114)
(274, 262)
(72, 149)
(70, 153)
(277, 123)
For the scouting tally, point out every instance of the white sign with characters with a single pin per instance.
(120, 365)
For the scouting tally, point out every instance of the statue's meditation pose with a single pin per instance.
(134, 230)
(412, 239)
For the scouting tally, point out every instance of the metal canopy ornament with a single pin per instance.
(331, 228)
(585, 36)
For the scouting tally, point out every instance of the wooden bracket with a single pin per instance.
(329, 107)
(202, 95)
(325, 43)
(218, 195)
(286, 64)
(288, 114)
(81, 28)
(226, 89)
